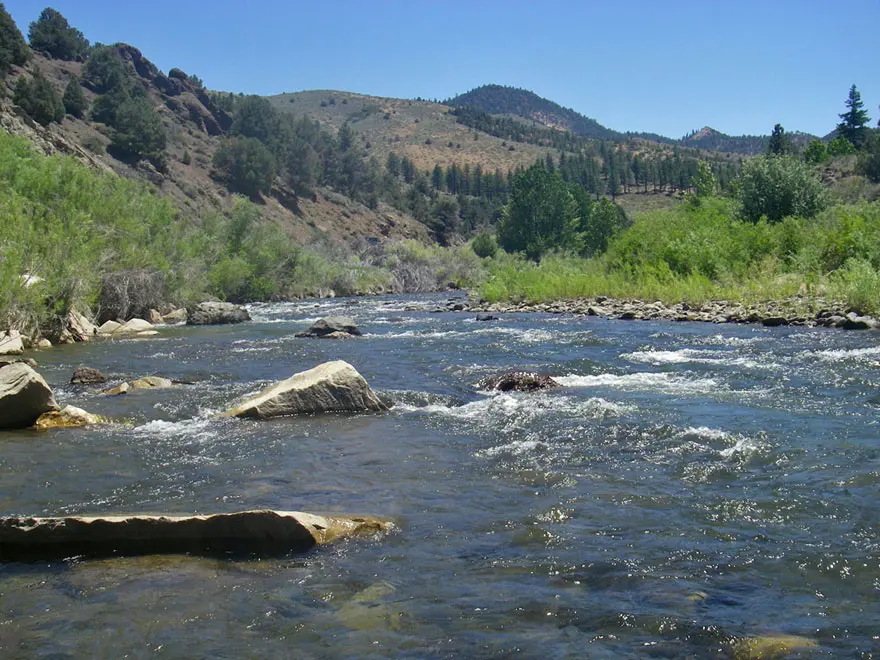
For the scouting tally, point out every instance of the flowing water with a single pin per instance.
(690, 485)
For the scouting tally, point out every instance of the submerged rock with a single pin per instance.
(87, 376)
(486, 317)
(145, 383)
(768, 647)
(24, 396)
(253, 532)
(332, 327)
(216, 313)
(329, 387)
(518, 381)
(66, 418)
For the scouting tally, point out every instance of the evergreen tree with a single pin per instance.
(437, 177)
(52, 34)
(38, 98)
(246, 164)
(13, 49)
(779, 144)
(74, 100)
(139, 131)
(855, 120)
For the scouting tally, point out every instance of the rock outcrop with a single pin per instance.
(216, 313)
(24, 396)
(67, 418)
(518, 381)
(252, 532)
(332, 327)
(329, 387)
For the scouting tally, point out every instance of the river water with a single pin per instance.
(691, 485)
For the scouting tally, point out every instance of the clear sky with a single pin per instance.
(644, 65)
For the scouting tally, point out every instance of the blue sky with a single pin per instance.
(667, 67)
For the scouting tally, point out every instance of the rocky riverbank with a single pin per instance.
(797, 311)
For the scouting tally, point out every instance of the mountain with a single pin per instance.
(502, 100)
(711, 140)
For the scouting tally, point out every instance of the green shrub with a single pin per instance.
(246, 165)
(778, 186)
(74, 100)
(139, 132)
(484, 245)
(103, 70)
(858, 283)
(840, 146)
(38, 98)
(816, 152)
(52, 34)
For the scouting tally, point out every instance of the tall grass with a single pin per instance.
(697, 253)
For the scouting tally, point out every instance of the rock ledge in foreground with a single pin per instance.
(253, 532)
(330, 387)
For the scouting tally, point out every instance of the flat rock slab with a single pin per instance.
(262, 532)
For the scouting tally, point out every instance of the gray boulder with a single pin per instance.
(332, 327)
(330, 387)
(11, 343)
(24, 396)
(253, 532)
(216, 313)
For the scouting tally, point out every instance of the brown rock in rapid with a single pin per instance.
(330, 387)
(67, 418)
(87, 376)
(24, 396)
(145, 383)
(253, 532)
(518, 381)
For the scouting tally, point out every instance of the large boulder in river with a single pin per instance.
(24, 396)
(332, 327)
(216, 313)
(67, 418)
(518, 381)
(252, 532)
(11, 343)
(87, 376)
(329, 387)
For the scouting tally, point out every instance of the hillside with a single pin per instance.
(195, 127)
(512, 101)
(424, 132)
(711, 140)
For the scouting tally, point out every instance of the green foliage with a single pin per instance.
(780, 144)
(840, 146)
(854, 122)
(869, 162)
(816, 152)
(139, 132)
(484, 245)
(103, 70)
(858, 283)
(704, 183)
(13, 49)
(52, 34)
(74, 100)
(246, 164)
(38, 98)
(776, 187)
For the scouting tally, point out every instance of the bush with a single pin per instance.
(246, 165)
(74, 99)
(52, 34)
(778, 186)
(38, 98)
(13, 49)
(840, 146)
(484, 245)
(816, 152)
(139, 131)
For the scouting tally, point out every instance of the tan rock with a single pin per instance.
(260, 532)
(175, 316)
(81, 329)
(119, 389)
(67, 417)
(329, 387)
(11, 343)
(154, 317)
(109, 327)
(768, 647)
(145, 383)
(147, 333)
(135, 325)
(24, 396)
(44, 343)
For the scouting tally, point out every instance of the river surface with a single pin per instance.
(690, 485)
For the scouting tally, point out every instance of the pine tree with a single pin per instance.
(38, 98)
(13, 49)
(855, 119)
(74, 100)
(779, 144)
(52, 34)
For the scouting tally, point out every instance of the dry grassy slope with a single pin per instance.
(326, 216)
(404, 127)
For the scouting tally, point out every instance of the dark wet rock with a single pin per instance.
(331, 327)
(24, 396)
(216, 313)
(853, 321)
(486, 317)
(87, 376)
(330, 387)
(518, 381)
(456, 307)
(627, 315)
(252, 532)
(774, 321)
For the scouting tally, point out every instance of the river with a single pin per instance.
(690, 485)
